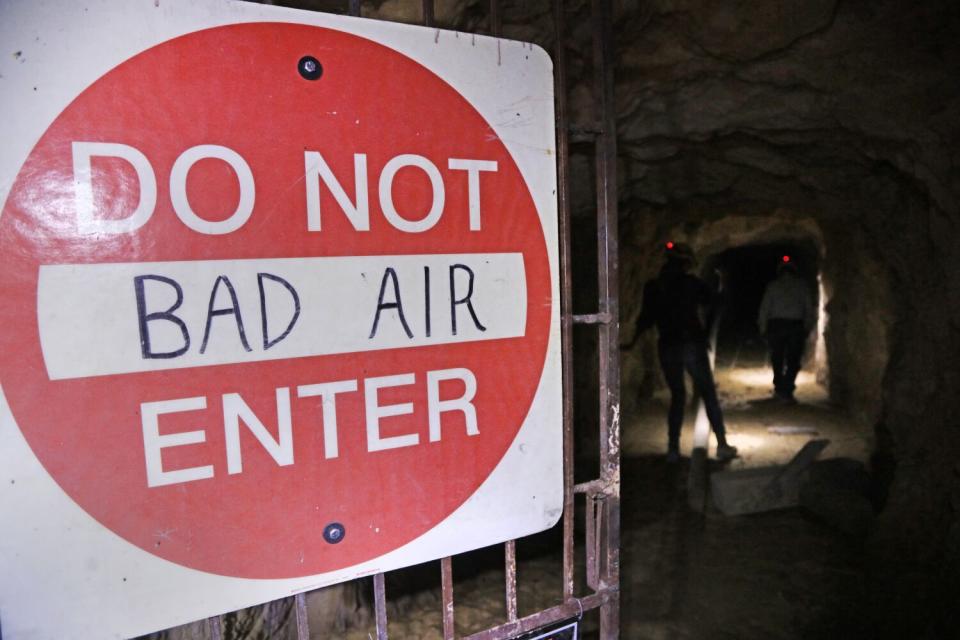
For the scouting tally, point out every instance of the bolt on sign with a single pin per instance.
(280, 306)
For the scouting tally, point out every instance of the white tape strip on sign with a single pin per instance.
(102, 319)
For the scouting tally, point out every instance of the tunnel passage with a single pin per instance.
(748, 250)
(846, 115)
(746, 272)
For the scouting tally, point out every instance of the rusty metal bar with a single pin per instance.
(585, 133)
(300, 611)
(214, 628)
(592, 318)
(495, 25)
(510, 562)
(566, 295)
(592, 129)
(354, 8)
(573, 608)
(592, 544)
(446, 585)
(608, 343)
(606, 245)
(380, 605)
(427, 13)
(587, 487)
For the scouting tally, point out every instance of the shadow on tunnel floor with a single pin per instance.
(704, 575)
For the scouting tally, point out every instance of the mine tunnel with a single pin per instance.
(746, 272)
(819, 133)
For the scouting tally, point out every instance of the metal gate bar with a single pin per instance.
(380, 605)
(300, 612)
(566, 295)
(214, 628)
(510, 570)
(573, 608)
(428, 13)
(608, 343)
(602, 494)
(495, 18)
(446, 587)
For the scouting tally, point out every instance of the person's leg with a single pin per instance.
(671, 363)
(776, 340)
(793, 354)
(698, 364)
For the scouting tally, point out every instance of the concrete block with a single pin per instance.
(765, 488)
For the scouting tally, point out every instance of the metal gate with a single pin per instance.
(601, 495)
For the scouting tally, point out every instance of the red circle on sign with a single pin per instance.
(238, 86)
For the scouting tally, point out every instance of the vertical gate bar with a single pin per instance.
(566, 291)
(510, 560)
(610, 611)
(604, 266)
(380, 605)
(607, 250)
(300, 611)
(354, 8)
(592, 543)
(428, 13)
(495, 18)
(446, 585)
(214, 628)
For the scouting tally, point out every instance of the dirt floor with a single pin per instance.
(781, 574)
(686, 574)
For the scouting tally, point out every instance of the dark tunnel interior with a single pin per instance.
(745, 272)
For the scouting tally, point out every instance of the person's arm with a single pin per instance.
(647, 317)
(764, 312)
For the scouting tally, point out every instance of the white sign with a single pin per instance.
(280, 306)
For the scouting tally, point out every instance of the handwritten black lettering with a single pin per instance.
(267, 342)
(232, 310)
(144, 318)
(464, 300)
(397, 304)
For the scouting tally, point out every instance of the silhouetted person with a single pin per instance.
(786, 316)
(673, 301)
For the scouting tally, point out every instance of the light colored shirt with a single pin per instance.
(787, 298)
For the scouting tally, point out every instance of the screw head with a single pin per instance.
(334, 533)
(309, 68)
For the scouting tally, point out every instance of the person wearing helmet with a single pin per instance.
(786, 317)
(673, 301)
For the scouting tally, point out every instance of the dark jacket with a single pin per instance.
(672, 301)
